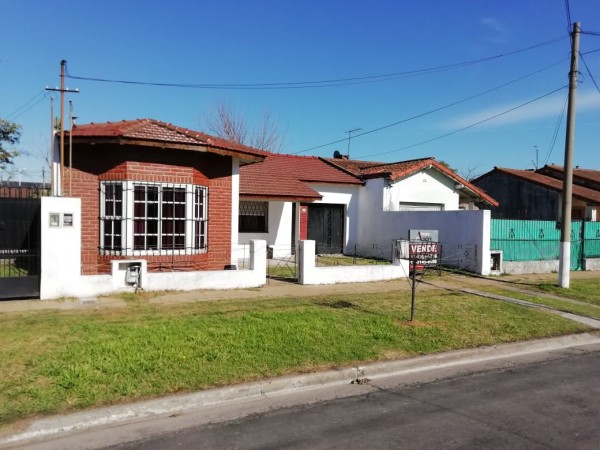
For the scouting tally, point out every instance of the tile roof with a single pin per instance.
(551, 183)
(287, 176)
(396, 170)
(150, 130)
(585, 174)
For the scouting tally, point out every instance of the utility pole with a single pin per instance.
(62, 91)
(567, 194)
(52, 146)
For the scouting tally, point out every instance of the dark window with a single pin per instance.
(253, 217)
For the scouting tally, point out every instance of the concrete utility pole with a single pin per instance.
(62, 91)
(567, 194)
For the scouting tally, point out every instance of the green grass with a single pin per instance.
(566, 305)
(57, 361)
(343, 260)
(583, 290)
(8, 269)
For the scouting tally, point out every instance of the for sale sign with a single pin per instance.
(429, 248)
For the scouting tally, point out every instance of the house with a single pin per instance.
(536, 195)
(156, 192)
(286, 198)
(339, 202)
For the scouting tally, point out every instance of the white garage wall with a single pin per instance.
(427, 186)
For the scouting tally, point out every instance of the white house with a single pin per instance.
(343, 204)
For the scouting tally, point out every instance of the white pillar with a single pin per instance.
(306, 260)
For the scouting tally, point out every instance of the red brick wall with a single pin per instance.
(304, 221)
(92, 164)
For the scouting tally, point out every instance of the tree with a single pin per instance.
(227, 123)
(10, 134)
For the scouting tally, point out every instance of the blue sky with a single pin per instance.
(237, 42)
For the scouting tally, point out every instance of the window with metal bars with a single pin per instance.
(253, 217)
(152, 218)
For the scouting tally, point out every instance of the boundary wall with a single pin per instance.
(61, 262)
(308, 273)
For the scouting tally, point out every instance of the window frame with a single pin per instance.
(135, 221)
(264, 208)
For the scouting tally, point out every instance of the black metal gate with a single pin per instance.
(326, 227)
(20, 239)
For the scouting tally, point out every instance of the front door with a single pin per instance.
(326, 227)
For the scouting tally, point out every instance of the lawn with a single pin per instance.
(566, 305)
(57, 361)
(584, 290)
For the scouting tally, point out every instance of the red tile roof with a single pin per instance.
(551, 183)
(396, 170)
(286, 176)
(585, 174)
(155, 131)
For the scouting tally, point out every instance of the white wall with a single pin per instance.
(464, 235)
(235, 205)
(61, 247)
(279, 235)
(61, 263)
(426, 186)
(310, 274)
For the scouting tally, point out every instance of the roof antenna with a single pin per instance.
(350, 136)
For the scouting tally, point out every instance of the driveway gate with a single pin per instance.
(20, 241)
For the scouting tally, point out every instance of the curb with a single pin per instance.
(177, 404)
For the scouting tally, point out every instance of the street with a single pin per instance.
(541, 404)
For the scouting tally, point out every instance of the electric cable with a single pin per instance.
(440, 108)
(471, 125)
(9, 116)
(316, 84)
(44, 97)
(556, 129)
(589, 73)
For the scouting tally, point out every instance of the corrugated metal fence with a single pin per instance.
(535, 240)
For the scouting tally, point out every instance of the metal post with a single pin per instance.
(565, 233)
(414, 287)
(62, 125)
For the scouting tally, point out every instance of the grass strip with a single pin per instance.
(59, 361)
(591, 310)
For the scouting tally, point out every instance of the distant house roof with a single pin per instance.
(150, 132)
(397, 170)
(288, 177)
(590, 175)
(554, 184)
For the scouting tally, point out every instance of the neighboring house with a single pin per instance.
(150, 190)
(536, 195)
(416, 185)
(286, 198)
(337, 201)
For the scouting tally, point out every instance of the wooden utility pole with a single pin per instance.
(567, 194)
(62, 91)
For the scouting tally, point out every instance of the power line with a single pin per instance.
(556, 130)
(24, 105)
(568, 13)
(589, 73)
(418, 116)
(44, 97)
(320, 83)
(471, 125)
(591, 33)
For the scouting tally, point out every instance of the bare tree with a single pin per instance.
(227, 123)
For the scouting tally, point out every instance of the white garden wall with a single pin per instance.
(308, 273)
(61, 262)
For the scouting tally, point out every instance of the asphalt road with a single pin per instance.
(548, 404)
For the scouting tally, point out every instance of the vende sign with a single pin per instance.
(427, 248)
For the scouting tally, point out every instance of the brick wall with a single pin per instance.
(92, 164)
(303, 221)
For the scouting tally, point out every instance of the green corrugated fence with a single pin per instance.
(534, 240)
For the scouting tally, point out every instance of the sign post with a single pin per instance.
(422, 252)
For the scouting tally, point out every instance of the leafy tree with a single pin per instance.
(10, 134)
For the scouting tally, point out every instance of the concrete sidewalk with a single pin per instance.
(101, 426)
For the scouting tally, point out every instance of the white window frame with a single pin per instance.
(420, 206)
(196, 220)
